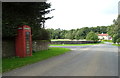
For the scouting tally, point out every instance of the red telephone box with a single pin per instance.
(23, 41)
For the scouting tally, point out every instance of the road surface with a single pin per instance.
(92, 60)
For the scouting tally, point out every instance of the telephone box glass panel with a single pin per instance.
(27, 42)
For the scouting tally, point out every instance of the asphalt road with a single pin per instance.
(94, 60)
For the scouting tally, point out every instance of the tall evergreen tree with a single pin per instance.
(19, 13)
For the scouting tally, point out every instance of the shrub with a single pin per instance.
(92, 36)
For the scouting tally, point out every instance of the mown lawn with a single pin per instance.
(15, 62)
(66, 40)
(116, 44)
(72, 44)
(107, 41)
(60, 40)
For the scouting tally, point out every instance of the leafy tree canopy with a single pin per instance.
(27, 13)
(76, 33)
(114, 30)
(92, 36)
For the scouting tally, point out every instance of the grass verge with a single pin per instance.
(107, 41)
(66, 40)
(60, 40)
(116, 44)
(15, 62)
(73, 44)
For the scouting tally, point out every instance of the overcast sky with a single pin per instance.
(72, 14)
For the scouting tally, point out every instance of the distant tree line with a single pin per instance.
(76, 33)
(88, 33)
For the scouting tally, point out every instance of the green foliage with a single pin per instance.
(19, 13)
(41, 34)
(110, 30)
(118, 40)
(115, 30)
(58, 33)
(81, 33)
(92, 36)
(99, 29)
(71, 34)
(15, 62)
(116, 37)
(76, 33)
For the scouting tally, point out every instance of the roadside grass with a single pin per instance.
(107, 40)
(66, 40)
(60, 40)
(15, 62)
(116, 44)
(74, 44)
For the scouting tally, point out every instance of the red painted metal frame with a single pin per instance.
(21, 41)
